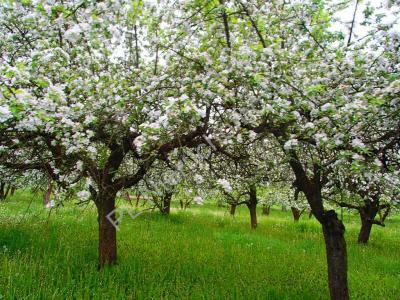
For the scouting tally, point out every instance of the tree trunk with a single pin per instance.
(12, 192)
(296, 214)
(333, 229)
(8, 189)
(367, 215)
(128, 197)
(382, 217)
(2, 186)
(107, 230)
(232, 210)
(266, 210)
(166, 205)
(253, 215)
(47, 195)
(365, 232)
(284, 208)
(252, 205)
(336, 253)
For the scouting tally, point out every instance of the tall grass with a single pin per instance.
(200, 253)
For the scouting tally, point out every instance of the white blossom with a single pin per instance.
(73, 34)
(5, 113)
(290, 144)
(139, 141)
(198, 200)
(198, 179)
(357, 143)
(225, 185)
(83, 195)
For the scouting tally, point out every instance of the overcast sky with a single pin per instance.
(381, 6)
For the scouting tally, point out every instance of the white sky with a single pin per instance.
(381, 6)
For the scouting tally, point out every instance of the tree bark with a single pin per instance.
(296, 214)
(47, 195)
(166, 205)
(365, 232)
(333, 229)
(8, 189)
(266, 210)
(232, 210)
(2, 187)
(367, 215)
(253, 215)
(107, 230)
(252, 205)
(382, 217)
(336, 254)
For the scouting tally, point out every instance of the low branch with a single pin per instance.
(347, 205)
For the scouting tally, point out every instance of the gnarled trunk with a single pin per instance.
(252, 205)
(382, 217)
(333, 228)
(336, 254)
(365, 231)
(107, 229)
(266, 210)
(232, 209)
(296, 213)
(367, 215)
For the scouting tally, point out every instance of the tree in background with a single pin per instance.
(283, 70)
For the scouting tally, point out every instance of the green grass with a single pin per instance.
(201, 253)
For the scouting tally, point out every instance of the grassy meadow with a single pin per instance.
(199, 253)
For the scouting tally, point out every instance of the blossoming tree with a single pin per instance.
(284, 70)
(79, 102)
(100, 92)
